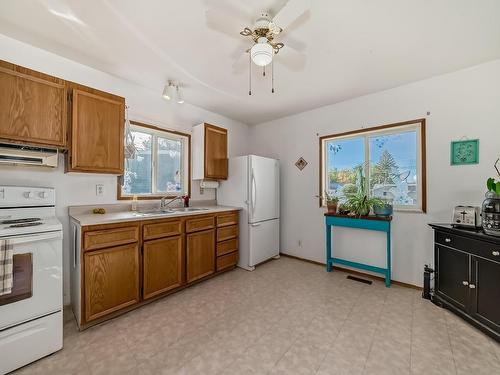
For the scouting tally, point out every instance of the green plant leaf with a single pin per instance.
(490, 184)
(498, 188)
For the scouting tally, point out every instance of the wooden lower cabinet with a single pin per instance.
(200, 254)
(111, 280)
(128, 264)
(163, 261)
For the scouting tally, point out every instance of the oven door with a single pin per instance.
(37, 272)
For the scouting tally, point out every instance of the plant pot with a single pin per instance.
(332, 208)
(383, 210)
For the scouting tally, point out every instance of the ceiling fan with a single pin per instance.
(269, 34)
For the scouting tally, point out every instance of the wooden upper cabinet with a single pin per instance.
(32, 107)
(97, 130)
(209, 152)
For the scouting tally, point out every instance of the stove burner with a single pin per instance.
(19, 221)
(28, 224)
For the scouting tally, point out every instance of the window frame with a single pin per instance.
(155, 129)
(420, 124)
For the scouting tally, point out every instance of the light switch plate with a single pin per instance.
(99, 190)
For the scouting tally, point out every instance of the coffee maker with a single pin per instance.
(491, 214)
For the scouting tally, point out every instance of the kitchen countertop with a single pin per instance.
(85, 219)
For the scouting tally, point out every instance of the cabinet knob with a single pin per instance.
(465, 283)
(447, 240)
(472, 286)
(495, 253)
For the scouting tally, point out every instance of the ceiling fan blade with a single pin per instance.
(291, 59)
(241, 63)
(292, 10)
(296, 44)
(225, 22)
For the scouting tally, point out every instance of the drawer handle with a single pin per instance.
(495, 253)
(472, 286)
(465, 283)
(447, 240)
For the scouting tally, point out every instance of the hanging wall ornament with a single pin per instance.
(129, 150)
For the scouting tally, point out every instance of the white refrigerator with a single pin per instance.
(253, 185)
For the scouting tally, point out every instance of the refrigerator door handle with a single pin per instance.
(253, 195)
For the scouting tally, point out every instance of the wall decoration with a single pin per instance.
(301, 163)
(464, 152)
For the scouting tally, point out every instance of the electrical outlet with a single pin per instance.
(99, 190)
(300, 243)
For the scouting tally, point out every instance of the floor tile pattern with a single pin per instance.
(287, 317)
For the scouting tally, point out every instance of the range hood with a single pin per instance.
(28, 155)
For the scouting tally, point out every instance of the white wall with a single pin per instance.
(145, 105)
(461, 104)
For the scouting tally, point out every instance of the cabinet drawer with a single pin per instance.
(162, 229)
(227, 261)
(110, 237)
(199, 223)
(227, 233)
(226, 219)
(480, 248)
(227, 247)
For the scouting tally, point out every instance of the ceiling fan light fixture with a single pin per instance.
(262, 53)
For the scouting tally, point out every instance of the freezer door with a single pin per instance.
(264, 241)
(263, 189)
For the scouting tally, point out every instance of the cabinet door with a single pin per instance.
(200, 252)
(216, 162)
(485, 294)
(97, 128)
(163, 265)
(452, 275)
(111, 279)
(32, 106)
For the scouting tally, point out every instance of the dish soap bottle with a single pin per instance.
(134, 203)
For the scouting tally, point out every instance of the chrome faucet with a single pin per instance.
(164, 203)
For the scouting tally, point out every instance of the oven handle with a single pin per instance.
(33, 238)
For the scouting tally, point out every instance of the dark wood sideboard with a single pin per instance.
(467, 276)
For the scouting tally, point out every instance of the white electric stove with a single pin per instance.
(31, 321)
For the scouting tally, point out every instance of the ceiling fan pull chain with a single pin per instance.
(264, 70)
(272, 76)
(250, 74)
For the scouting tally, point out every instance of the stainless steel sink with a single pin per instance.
(156, 212)
(189, 209)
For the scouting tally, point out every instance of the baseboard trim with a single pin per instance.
(354, 272)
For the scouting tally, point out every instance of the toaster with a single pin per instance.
(466, 216)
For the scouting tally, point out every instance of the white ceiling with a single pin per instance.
(354, 47)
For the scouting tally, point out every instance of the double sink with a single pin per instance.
(165, 212)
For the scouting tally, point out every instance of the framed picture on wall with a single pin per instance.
(464, 152)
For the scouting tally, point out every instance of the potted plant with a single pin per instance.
(384, 209)
(492, 185)
(361, 204)
(331, 203)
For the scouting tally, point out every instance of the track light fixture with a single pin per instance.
(173, 91)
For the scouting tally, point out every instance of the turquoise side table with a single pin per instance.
(382, 224)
